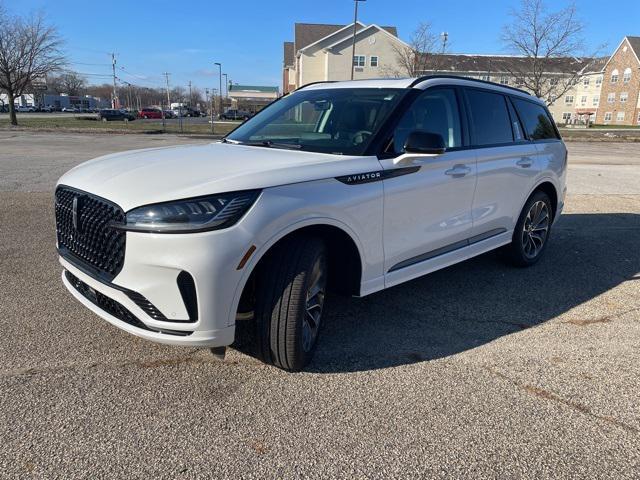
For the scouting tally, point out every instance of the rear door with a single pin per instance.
(507, 162)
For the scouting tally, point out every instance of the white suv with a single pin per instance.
(348, 187)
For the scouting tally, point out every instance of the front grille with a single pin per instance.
(113, 307)
(85, 235)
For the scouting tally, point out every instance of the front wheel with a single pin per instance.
(290, 300)
(531, 234)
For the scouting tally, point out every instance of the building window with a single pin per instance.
(611, 98)
(598, 80)
(583, 100)
(519, 81)
(614, 76)
(486, 78)
(359, 60)
(566, 117)
(568, 100)
(504, 80)
(373, 61)
(553, 82)
(620, 117)
(586, 81)
(639, 117)
(623, 97)
(626, 77)
(608, 116)
(596, 101)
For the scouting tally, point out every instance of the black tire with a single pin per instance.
(531, 235)
(285, 337)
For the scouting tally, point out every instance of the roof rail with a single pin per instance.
(460, 77)
(313, 83)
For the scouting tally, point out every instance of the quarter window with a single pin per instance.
(435, 111)
(490, 118)
(536, 120)
(373, 61)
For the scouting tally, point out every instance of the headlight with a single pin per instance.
(191, 215)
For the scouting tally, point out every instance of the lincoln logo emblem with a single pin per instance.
(77, 207)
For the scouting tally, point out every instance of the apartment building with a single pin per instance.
(620, 93)
(322, 52)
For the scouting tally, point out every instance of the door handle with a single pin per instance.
(458, 171)
(525, 162)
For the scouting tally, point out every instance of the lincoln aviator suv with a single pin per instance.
(346, 188)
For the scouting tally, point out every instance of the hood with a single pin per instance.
(141, 177)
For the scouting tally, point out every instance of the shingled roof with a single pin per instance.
(635, 45)
(506, 63)
(288, 54)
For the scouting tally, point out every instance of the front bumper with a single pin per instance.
(151, 268)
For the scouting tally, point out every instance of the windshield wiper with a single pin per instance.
(270, 144)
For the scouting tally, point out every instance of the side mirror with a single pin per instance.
(428, 143)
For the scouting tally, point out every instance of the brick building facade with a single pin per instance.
(620, 94)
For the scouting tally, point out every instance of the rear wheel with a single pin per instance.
(532, 230)
(290, 301)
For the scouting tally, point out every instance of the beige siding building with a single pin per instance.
(324, 52)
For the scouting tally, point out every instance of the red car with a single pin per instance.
(150, 113)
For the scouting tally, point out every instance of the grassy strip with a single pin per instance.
(136, 126)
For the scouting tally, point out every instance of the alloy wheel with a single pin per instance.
(535, 229)
(313, 305)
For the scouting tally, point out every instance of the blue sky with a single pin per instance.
(185, 38)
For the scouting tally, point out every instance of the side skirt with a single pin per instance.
(462, 251)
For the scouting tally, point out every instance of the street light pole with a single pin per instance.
(353, 46)
(220, 90)
(226, 85)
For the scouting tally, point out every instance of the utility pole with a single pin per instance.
(220, 90)
(353, 46)
(166, 76)
(114, 101)
(190, 96)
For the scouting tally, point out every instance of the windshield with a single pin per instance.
(341, 121)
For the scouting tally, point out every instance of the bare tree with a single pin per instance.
(69, 82)
(551, 44)
(418, 56)
(29, 50)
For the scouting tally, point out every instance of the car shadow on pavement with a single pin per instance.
(475, 302)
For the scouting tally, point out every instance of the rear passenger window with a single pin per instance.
(490, 118)
(536, 120)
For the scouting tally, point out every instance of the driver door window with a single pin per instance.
(435, 111)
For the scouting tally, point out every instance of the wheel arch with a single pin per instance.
(346, 260)
(547, 186)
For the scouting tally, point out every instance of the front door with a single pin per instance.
(427, 199)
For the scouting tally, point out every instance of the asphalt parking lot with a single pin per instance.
(480, 370)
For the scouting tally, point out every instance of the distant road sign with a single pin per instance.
(39, 86)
